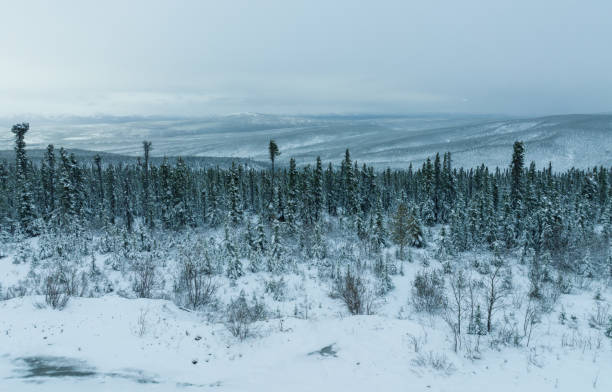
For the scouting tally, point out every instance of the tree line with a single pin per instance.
(559, 220)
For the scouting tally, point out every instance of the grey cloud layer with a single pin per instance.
(203, 57)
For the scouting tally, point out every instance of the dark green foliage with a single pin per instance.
(552, 218)
(26, 208)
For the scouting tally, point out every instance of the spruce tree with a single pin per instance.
(127, 205)
(317, 190)
(166, 194)
(48, 181)
(235, 210)
(399, 228)
(146, 192)
(350, 189)
(67, 191)
(276, 249)
(379, 233)
(25, 205)
(234, 265)
(99, 194)
(415, 233)
(273, 152)
(516, 169)
(292, 197)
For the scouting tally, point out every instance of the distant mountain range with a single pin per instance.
(384, 141)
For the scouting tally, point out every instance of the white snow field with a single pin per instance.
(383, 141)
(308, 343)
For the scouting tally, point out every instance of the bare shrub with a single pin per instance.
(530, 320)
(196, 287)
(18, 290)
(241, 315)
(454, 309)
(435, 361)
(417, 342)
(144, 278)
(601, 317)
(56, 290)
(578, 341)
(428, 291)
(354, 292)
(76, 282)
(507, 334)
(496, 291)
(142, 323)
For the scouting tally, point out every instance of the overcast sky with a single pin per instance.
(216, 57)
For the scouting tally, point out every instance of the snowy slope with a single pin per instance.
(395, 141)
(101, 336)
(114, 343)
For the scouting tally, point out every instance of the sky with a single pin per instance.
(193, 58)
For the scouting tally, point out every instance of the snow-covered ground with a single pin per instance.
(308, 343)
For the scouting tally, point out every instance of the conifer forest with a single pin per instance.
(488, 252)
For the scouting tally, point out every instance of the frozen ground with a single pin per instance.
(309, 343)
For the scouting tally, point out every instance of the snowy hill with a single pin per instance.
(395, 141)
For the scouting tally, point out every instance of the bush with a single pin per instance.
(436, 361)
(24, 253)
(428, 291)
(355, 294)
(277, 288)
(56, 290)
(608, 331)
(144, 278)
(195, 286)
(601, 317)
(240, 316)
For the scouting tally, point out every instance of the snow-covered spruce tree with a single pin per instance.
(234, 268)
(181, 206)
(292, 198)
(275, 259)
(516, 168)
(147, 207)
(110, 194)
(67, 213)
(235, 208)
(273, 152)
(127, 206)
(47, 172)
(319, 246)
(399, 228)
(98, 192)
(379, 233)
(261, 242)
(331, 190)
(6, 201)
(25, 204)
(349, 194)
(317, 190)
(165, 191)
(414, 231)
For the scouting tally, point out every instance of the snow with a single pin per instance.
(146, 344)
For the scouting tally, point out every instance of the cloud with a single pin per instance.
(156, 57)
